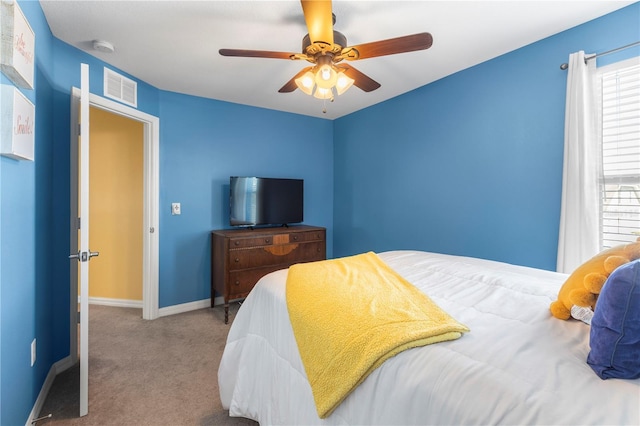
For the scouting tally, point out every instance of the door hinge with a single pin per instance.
(79, 223)
(152, 230)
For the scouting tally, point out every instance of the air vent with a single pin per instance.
(120, 88)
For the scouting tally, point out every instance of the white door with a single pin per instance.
(84, 254)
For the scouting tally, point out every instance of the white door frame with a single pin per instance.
(150, 228)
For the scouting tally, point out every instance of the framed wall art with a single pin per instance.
(17, 115)
(17, 48)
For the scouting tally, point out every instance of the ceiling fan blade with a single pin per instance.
(360, 80)
(291, 85)
(319, 19)
(256, 54)
(392, 46)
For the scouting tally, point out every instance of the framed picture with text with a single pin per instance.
(17, 116)
(17, 49)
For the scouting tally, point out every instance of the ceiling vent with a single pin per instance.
(120, 88)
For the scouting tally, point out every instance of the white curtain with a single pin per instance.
(579, 218)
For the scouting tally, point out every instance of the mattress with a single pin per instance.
(517, 365)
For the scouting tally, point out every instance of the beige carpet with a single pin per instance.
(160, 372)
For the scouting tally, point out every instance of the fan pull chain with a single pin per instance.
(324, 104)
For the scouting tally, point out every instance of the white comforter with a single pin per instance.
(517, 365)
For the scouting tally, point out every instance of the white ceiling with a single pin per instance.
(173, 45)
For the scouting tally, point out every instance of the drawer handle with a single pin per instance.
(237, 282)
(237, 243)
(266, 240)
(295, 238)
(236, 260)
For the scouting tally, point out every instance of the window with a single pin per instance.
(620, 179)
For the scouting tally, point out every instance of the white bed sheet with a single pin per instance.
(517, 365)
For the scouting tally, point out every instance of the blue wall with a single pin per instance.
(442, 168)
(26, 279)
(470, 164)
(202, 143)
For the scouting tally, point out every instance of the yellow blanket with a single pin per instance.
(351, 314)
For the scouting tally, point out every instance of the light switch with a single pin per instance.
(175, 209)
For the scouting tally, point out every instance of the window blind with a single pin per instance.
(620, 183)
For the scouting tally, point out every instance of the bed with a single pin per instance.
(516, 365)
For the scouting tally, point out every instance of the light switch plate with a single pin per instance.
(175, 209)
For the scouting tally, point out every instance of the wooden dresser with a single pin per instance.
(240, 257)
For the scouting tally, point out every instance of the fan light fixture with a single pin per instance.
(324, 79)
(321, 81)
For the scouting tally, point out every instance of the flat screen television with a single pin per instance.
(255, 201)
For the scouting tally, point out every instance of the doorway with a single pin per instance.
(150, 209)
(115, 188)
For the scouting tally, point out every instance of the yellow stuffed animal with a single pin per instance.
(584, 284)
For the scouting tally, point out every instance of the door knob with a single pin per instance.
(83, 256)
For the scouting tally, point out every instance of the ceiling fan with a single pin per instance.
(327, 48)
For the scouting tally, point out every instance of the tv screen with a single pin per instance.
(265, 201)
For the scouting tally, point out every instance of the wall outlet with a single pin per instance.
(33, 352)
(175, 208)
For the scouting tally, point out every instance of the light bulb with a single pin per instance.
(326, 76)
(307, 80)
(343, 83)
(306, 83)
(322, 93)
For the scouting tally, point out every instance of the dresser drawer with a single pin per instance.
(250, 242)
(241, 282)
(281, 254)
(296, 237)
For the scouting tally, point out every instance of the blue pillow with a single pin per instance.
(615, 327)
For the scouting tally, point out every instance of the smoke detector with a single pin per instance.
(103, 46)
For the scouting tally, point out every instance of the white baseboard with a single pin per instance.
(64, 364)
(184, 307)
(120, 303)
(55, 369)
(191, 306)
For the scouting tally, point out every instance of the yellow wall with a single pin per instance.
(115, 206)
